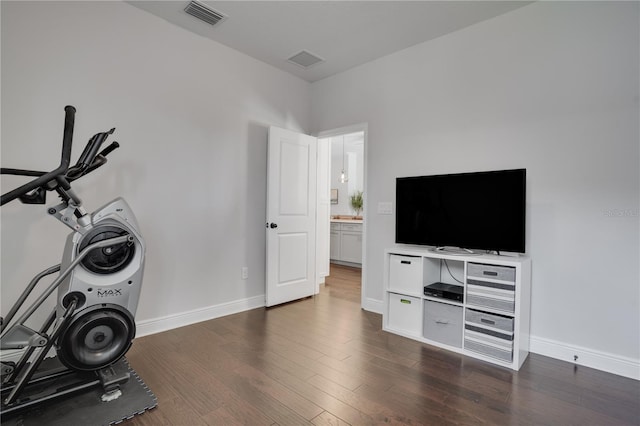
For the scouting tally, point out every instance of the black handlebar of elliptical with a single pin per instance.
(75, 172)
(108, 150)
(91, 150)
(61, 170)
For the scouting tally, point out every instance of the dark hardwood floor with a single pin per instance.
(324, 361)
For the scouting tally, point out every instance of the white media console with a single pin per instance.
(491, 322)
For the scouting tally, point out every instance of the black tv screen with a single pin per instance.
(482, 210)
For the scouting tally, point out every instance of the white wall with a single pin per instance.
(552, 87)
(191, 116)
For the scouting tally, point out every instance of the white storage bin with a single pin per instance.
(405, 314)
(405, 274)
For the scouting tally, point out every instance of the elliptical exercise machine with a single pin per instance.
(98, 286)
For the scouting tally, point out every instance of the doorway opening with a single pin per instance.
(347, 211)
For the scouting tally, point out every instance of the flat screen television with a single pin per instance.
(481, 210)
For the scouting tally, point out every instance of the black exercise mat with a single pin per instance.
(87, 408)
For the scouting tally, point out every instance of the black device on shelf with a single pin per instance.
(445, 291)
(481, 210)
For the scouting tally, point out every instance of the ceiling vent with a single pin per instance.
(305, 59)
(204, 13)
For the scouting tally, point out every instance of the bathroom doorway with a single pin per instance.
(348, 197)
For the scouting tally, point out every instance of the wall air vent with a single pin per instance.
(204, 13)
(305, 59)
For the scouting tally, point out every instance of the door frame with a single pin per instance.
(360, 127)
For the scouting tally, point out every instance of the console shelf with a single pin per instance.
(490, 323)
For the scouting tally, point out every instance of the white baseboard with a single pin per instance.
(622, 366)
(350, 264)
(373, 305)
(169, 322)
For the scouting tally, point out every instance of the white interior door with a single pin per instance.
(291, 216)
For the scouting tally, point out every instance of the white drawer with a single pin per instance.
(405, 314)
(354, 227)
(335, 226)
(405, 274)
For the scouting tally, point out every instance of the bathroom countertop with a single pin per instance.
(344, 219)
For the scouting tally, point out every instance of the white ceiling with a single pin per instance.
(344, 33)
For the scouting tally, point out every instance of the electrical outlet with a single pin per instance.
(245, 272)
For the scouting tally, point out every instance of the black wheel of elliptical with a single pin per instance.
(96, 337)
(107, 260)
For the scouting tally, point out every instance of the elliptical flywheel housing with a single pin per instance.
(96, 337)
